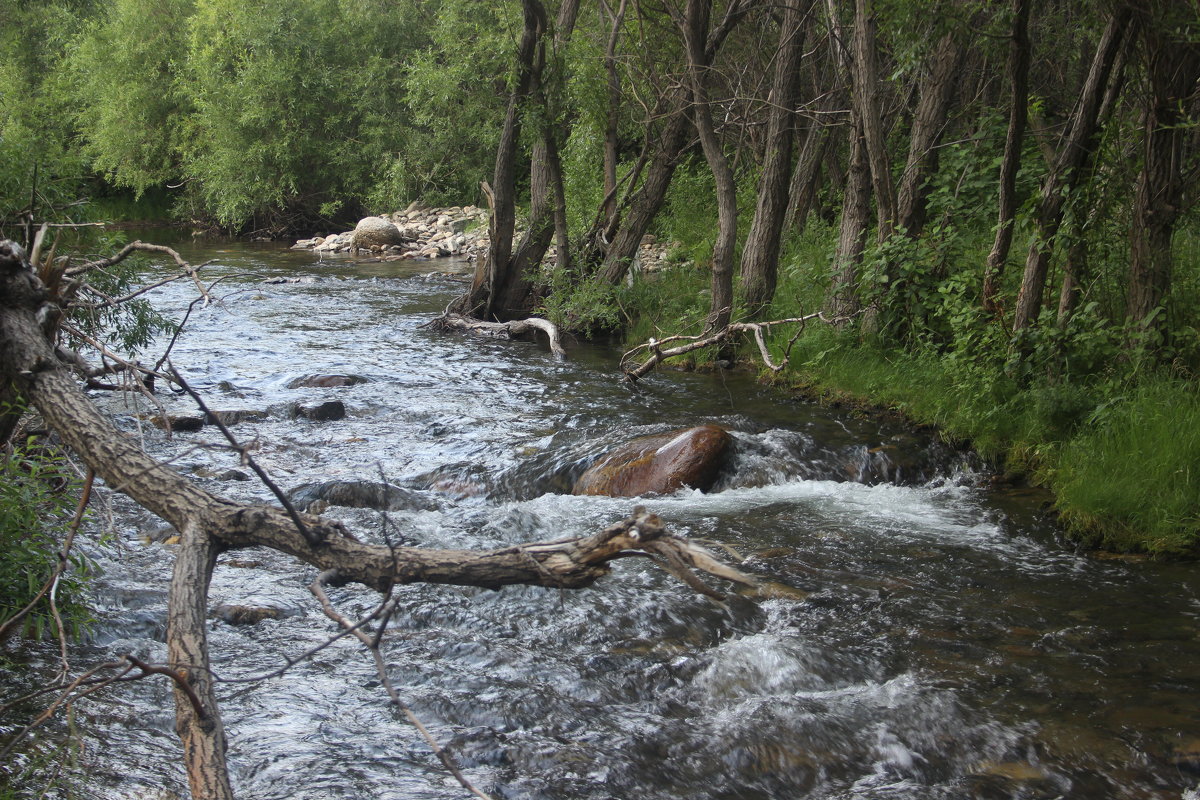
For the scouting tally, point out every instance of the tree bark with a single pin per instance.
(928, 125)
(495, 272)
(1173, 65)
(1073, 156)
(865, 68)
(649, 197)
(609, 206)
(842, 300)
(1018, 114)
(199, 729)
(760, 254)
(694, 25)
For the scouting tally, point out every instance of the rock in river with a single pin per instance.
(376, 231)
(659, 464)
(361, 494)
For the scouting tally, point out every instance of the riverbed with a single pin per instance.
(929, 634)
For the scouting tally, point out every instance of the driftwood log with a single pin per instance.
(511, 329)
(210, 524)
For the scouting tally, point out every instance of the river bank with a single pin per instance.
(1116, 457)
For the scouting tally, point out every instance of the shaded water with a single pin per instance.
(937, 640)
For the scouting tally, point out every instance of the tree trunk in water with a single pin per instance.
(547, 213)
(695, 28)
(496, 269)
(1073, 156)
(1173, 67)
(760, 256)
(1018, 113)
(200, 729)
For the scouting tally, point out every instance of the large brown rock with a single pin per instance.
(659, 464)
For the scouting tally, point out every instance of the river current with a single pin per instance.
(929, 635)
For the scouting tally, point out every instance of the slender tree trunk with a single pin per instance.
(1073, 156)
(865, 66)
(200, 729)
(1018, 114)
(609, 210)
(496, 268)
(695, 28)
(842, 299)
(1173, 66)
(928, 125)
(649, 197)
(547, 208)
(760, 255)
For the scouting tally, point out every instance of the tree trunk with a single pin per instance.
(609, 207)
(649, 197)
(547, 212)
(496, 269)
(760, 255)
(842, 299)
(200, 729)
(1073, 156)
(1018, 113)
(1173, 65)
(929, 122)
(865, 67)
(694, 25)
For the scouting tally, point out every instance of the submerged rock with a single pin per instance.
(329, 411)
(659, 464)
(326, 381)
(361, 494)
(246, 615)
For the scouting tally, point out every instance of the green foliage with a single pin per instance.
(1130, 478)
(126, 67)
(286, 115)
(36, 506)
(586, 307)
(37, 161)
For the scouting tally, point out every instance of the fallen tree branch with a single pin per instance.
(456, 322)
(139, 246)
(758, 329)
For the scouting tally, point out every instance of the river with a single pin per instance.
(934, 637)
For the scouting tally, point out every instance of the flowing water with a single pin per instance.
(928, 634)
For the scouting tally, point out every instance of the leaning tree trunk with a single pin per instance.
(1018, 114)
(495, 275)
(648, 200)
(760, 254)
(1073, 156)
(1173, 67)
(928, 125)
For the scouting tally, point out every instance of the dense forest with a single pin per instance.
(992, 204)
